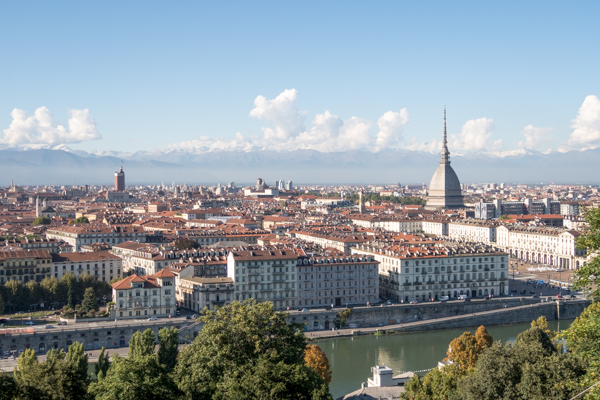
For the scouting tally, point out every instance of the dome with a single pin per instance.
(444, 180)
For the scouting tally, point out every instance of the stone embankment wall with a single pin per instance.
(364, 317)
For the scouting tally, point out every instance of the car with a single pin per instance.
(152, 319)
(486, 298)
(305, 310)
(62, 323)
(573, 296)
(188, 317)
(20, 312)
(29, 323)
(558, 296)
(535, 296)
(298, 309)
(177, 312)
(413, 302)
(389, 302)
(195, 316)
(467, 299)
(49, 326)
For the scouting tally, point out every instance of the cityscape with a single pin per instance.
(431, 248)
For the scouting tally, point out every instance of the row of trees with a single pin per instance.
(244, 351)
(69, 289)
(534, 366)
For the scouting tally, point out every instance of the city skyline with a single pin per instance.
(350, 77)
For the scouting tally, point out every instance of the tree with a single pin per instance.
(82, 220)
(71, 296)
(436, 384)
(168, 339)
(317, 360)
(464, 350)
(9, 389)
(185, 243)
(542, 323)
(34, 292)
(49, 289)
(41, 220)
(102, 365)
(89, 300)
(247, 347)
(142, 343)
(484, 339)
(587, 276)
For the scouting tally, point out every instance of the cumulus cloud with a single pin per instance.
(475, 135)
(534, 137)
(391, 129)
(328, 133)
(430, 147)
(41, 128)
(586, 126)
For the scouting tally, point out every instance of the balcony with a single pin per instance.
(278, 273)
(407, 284)
(253, 273)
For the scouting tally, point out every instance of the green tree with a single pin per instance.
(531, 368)
(168, 339)
(71, 297)
(14, 293)
(587, 276)
(49, 288)
(9, 389)
(435, 385)
(82, 220)
(248, 349)
(89, 300)
(102, 365)
(142, 344)
(34, 292)
(41, 220)
(185, 243)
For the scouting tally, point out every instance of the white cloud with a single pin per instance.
(534, 137)
(282, 113)
(41, 128)
(475, 135)
(430, 147)
(206, 143)
(391, 129)
(586, 126)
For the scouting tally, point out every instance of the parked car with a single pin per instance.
(413, 302)
(389, 302)
(305, 310)
(29, 323)
(152, 319)
(188, 317)
(195, 316)
(62, 323)
(49, 326)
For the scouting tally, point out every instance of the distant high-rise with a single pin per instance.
(120, 180)
(444, 189)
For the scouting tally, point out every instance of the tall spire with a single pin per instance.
(445, 154)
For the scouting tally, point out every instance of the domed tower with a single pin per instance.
(444, 189)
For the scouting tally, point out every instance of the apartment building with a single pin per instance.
(145, 296)
(195, 293)
(545, 245)
(102, 265)
(471, 230)
(264, 275)
(391, 223)
(347, 280)
(428, 271)
(88, 234)
(331, 239)
(25, 265)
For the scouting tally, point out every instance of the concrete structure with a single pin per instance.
(444, 188)
(145, 296)
(325, 281)
(102, 265)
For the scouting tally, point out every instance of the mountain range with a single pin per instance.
(63, 166)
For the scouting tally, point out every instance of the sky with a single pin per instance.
(330, 76)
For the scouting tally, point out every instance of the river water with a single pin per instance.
(351, 358)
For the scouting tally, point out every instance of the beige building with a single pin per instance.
(430, 271)
(196, 293)
(145, 296)
(89, 234)
(25, 265)
(102, 265)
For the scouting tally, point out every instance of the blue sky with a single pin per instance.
(148, 75)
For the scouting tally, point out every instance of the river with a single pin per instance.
(351, 358)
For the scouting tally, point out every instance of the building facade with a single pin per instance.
(102, 265)
(145, 296)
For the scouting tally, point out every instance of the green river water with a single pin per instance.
(351, 358)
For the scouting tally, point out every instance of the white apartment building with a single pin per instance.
(472, 231)
(145, 296)
(545, 245)
(195, 293)
(391, 224)
(347, 280)
(435, 227)
(102, 265)
(339, 241)
(425, 272)
(88, 234)
(264, 275)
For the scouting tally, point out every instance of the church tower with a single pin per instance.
(444, 189)
(361, 202)
(120, 180)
